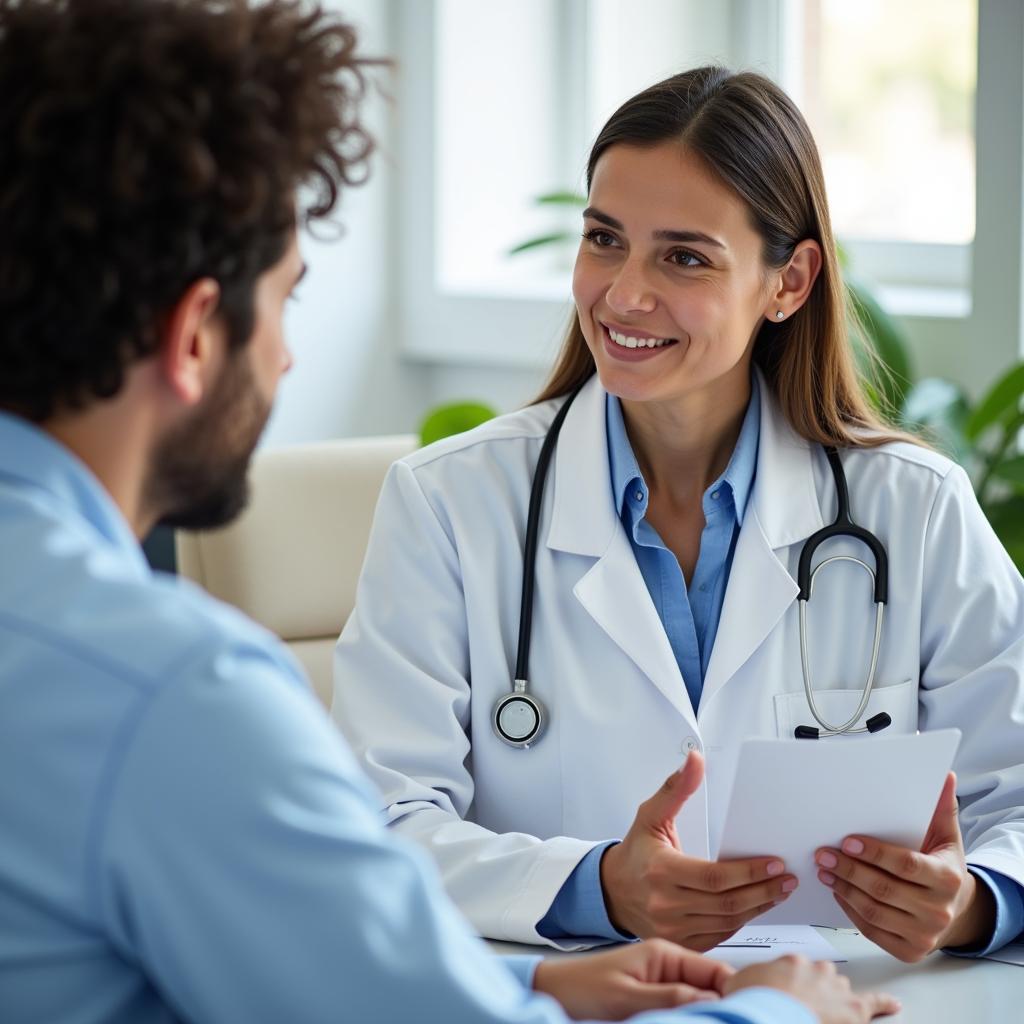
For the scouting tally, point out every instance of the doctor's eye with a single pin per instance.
(685, 258)
(601, 238)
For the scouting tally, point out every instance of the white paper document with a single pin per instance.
(755, 945)
(790, 797)
(1011, 954)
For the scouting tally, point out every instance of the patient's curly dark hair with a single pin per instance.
(145, 144)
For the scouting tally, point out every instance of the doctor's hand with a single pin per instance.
(817, 985)
(652, 888)
(908, 902)
(616, 984)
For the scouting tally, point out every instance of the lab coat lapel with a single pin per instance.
(615, 595)
(583, 521)
(783, 510)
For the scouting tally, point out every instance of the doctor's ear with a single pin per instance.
(795, 281)
(193, 342)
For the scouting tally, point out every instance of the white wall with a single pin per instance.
(348, 378)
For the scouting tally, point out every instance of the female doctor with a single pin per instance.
(708, 366)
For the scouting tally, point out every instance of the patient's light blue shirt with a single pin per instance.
(691, 616)
(185, 834)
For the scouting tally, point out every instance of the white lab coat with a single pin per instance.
(431, 646)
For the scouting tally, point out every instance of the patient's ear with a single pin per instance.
(192, 341)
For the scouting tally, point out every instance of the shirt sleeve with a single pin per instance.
(1009, 899)
(751, 1006)
(579, 911)
(239, 861)
(523, 967)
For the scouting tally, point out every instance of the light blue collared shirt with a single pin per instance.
(691, 614)
(691, 617)
(185, 834)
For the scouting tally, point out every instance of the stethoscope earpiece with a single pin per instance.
(876, 723)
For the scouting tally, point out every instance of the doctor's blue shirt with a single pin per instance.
(185, 834)
(690, 616)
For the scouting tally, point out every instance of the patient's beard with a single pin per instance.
(199, 475)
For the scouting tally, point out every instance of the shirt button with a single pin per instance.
(639, 495)
(714, 495)
(689, 744)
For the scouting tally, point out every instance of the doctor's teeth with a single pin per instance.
(628, 341)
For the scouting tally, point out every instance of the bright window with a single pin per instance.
(888, 89)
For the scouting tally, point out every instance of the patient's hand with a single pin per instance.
(629, 979)
(652, 888)
(818, 986)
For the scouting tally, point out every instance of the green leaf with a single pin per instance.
(844, 259)
(453, 418)
(887, 339)
(542, 240)
(562, 199)
(1012, 471)
(1007, 519)
(939, 408)
(1002, 398)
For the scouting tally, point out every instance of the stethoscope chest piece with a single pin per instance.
(518, 718)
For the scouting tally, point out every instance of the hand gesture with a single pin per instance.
(652, 888)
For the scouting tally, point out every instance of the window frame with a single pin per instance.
(969, 291)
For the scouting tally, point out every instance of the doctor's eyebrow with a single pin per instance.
(663, 235)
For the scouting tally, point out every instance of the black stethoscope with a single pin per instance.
(519, 717)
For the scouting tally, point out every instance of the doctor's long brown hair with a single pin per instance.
(751, 135)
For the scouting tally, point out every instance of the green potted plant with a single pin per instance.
(453, 418)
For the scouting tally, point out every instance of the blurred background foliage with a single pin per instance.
(453, 418)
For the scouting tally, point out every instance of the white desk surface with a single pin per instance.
(939, 990)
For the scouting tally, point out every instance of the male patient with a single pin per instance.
(184, 835)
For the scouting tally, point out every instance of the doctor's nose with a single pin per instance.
(630, 292)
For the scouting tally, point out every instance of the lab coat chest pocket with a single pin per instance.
(899, 702)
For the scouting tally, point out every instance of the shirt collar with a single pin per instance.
(30, 456)
(628, 481)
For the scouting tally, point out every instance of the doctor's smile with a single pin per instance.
(631, 345)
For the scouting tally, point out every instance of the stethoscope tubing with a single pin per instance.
(842, 526)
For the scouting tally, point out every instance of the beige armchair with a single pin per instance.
(292, 559)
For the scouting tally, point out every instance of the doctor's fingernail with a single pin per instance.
(775, 867)
(853, 846)
(825, 877)
(789, 885)
(827, 860)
